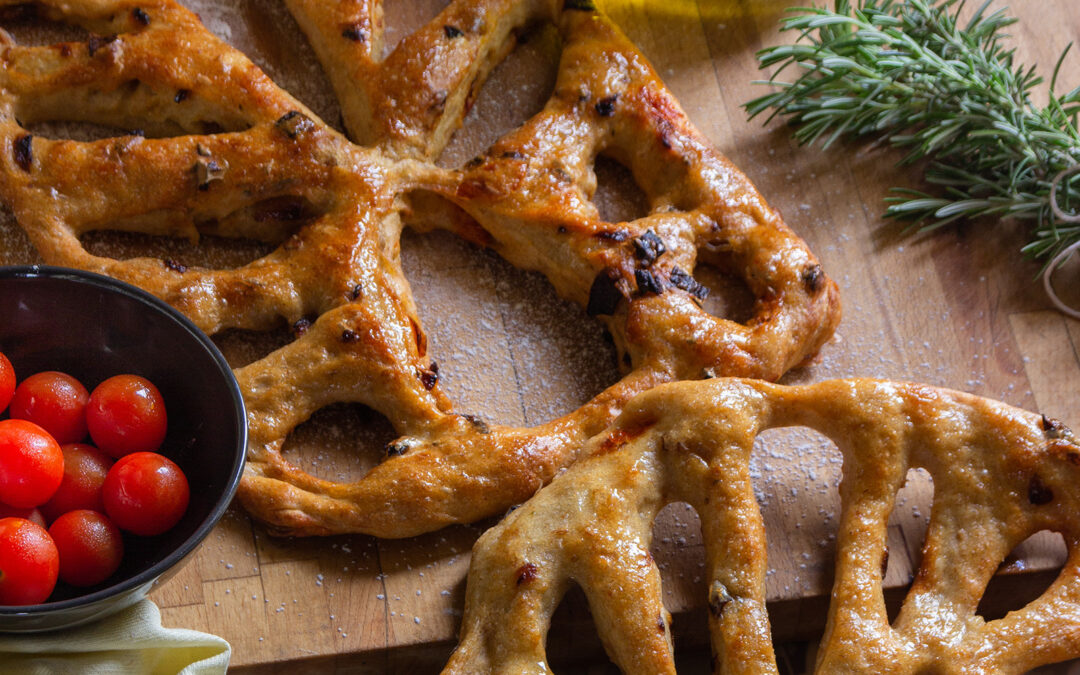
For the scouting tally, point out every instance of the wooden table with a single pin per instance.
(958, 309)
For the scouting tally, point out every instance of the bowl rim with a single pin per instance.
(150, 574)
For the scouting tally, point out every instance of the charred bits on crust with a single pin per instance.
(429, 377)
(96, 42)
(605, 107)
(1054, 429)
(395, 449)
(354, 32)
(452, 32)
(648, 247)
(23, 151)
(526, 573)
(182, 95)
(140, 16)
(619, 235)
(208, 170)
(604, 295)
(294, 123)
(349, 336)
(718, 598)
(477, 423)
(680, 279)
(175, 265)
(648, 283)
(813, 277)
(301, 326)
(1038, 492)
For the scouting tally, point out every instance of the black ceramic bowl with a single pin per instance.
(93, 327)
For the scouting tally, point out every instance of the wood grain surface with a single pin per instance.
(959, 309)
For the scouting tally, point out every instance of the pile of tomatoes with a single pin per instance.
(64, 501)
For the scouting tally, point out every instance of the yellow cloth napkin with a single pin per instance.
(131, 641)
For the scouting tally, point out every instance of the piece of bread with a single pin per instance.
(1000, 475)
(251, 161)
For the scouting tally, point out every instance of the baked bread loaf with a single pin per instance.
(1000, 475)
(222, 150)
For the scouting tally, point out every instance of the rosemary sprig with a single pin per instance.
(907, 72)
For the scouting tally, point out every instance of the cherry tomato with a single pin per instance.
(90, 547)
(54, 401)
(7, 382)
(31, 464)
(126, 414)
(145, 493)
(85, 468)
(28, 562)
(33, 515)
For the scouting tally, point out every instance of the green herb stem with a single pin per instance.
(907, 72)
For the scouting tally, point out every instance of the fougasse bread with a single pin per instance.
(222, 150)
(1000, 474)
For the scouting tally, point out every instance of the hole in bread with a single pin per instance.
(729, 296)
(509, 350)
(15, 245)
(239, 238)
(618, 196)
(573, 638)
(907, 526)
(401, 19)
(61, 130)
(515, 90)
(244, 347)
(134, 108)
(268, 35)
(340, 442)
(679, 551)
(212, 252)
(28, 24)
(796, 473)
(1025, 574)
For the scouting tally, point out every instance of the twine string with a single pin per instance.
(1060, 215)
(1048, 285)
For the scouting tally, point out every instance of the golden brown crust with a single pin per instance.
(153, 66)
(1000, 475)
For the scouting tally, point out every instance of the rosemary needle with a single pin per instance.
(908, 72)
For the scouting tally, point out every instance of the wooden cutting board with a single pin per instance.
(959, 309)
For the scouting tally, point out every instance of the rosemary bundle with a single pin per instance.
(908, 72)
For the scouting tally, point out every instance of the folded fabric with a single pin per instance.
(131, 641)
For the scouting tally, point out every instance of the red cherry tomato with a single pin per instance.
(145, 493)
(85, 468)
(28, 562)
(33, 515)
(54, 401)
(90, 547)
(126, 414)
(31, 464)
(7, 382)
